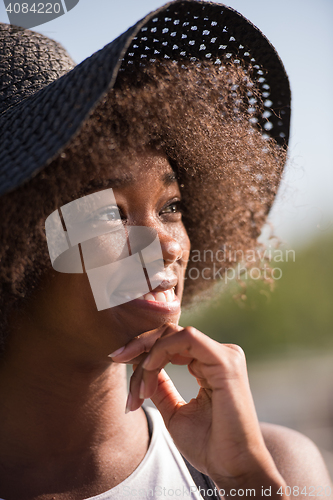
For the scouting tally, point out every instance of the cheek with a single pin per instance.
(105, 249)
(59, 303)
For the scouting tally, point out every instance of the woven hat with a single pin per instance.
(45, 98)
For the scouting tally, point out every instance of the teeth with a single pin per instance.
(166, 296)
(149, 296)
(170, 295)
(160, 297)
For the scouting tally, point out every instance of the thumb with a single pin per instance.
(166, 397)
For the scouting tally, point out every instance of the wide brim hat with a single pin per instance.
(45, 99)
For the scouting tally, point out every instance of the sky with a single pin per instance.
(301, 32)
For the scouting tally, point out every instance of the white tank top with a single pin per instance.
(162, 474)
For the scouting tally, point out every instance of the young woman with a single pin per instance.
(193, 150)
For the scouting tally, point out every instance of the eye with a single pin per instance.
(108, 214)
(172, 208)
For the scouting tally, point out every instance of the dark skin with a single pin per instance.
(64, 431)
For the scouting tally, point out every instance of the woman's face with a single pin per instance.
(147, 194)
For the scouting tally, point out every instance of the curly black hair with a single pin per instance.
(198, 114)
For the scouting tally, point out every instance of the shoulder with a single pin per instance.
(296, 456)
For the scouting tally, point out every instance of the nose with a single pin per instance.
(171, 248)
(139, 237)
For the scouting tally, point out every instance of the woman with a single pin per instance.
(183, 140)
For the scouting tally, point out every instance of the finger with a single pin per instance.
(166, 398)
(144, 383)
(136, 349)
(187, 344)
(199, 371)
(142, 386)
(133, 400)
(149, 381)
(138, 387)
(209, 359)
(201, 379)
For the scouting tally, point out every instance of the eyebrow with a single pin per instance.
(126, 180)
(169, 178)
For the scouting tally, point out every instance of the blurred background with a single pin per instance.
(287, 333)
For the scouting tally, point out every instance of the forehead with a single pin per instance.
(148, 167)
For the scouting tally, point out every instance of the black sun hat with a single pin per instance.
(45, 98)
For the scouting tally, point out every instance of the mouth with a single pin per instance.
(162, 299)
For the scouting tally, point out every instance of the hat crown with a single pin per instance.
(29, 61)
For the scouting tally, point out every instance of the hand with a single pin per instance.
(218, 431)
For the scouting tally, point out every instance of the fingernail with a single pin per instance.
(128, 403)
(116, 353)
(146, 361)
(142, 390)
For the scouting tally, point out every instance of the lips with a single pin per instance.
(162, 300)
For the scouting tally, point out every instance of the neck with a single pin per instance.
(59, 410)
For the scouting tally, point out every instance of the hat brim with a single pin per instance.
(35, 131)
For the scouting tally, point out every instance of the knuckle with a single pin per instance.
(190, 331)
(238, 351)
(233, 360)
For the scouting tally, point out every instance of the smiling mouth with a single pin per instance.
(162, 300)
